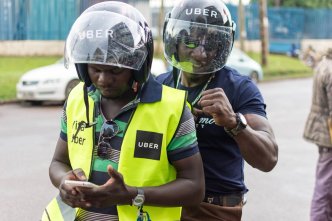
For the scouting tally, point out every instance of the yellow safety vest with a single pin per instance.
(159, 119)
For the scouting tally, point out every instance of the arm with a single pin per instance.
(60, 170)
(187, 190)
(257, 142)
(60, 164)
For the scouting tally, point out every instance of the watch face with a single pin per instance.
(139, 200)
(243, 120)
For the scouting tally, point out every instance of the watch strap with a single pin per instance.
(139, 198)
(240, 125)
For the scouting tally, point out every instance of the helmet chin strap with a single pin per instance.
(176, 74)
(233, 32)
(86, 102)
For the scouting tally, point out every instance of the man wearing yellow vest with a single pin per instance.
(133, 138)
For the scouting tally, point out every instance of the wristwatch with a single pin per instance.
(241, 123)
(139, 198)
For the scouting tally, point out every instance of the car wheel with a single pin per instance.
(70, 86)
(254, 77)
(32, 103)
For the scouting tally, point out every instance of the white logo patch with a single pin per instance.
(199, 11)
(99, 33)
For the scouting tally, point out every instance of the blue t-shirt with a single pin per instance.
(223, 162)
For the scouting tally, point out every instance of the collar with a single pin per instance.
(151, 91)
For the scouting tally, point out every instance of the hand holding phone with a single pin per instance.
(79, 183)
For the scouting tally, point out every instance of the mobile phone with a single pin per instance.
(79, 183)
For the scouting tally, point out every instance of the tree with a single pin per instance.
(264, 31)
(243, 34)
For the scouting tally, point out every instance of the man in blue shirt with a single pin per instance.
(229, 109)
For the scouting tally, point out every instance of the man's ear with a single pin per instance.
(134, 86)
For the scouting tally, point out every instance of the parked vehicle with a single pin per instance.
(49, 83)
(54, 82)
(160, 66)
(245, 65)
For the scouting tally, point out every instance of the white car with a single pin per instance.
(245, 65)
(159, 66)
(54, 82)
(49, 83)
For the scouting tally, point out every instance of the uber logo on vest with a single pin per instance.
(148, 145)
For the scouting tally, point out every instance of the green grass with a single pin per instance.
(282, 67)
(11, 69)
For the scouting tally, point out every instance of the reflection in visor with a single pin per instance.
(193, 43)
(214, 43)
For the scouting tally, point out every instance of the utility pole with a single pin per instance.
(264, 31)
(243, 34)
(161, 24)
(277, 3)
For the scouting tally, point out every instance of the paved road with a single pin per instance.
(284, 194)
(281, 195)
(24, 159)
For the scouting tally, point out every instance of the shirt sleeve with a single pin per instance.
(326, 70)
(250, 100)
(184, 143)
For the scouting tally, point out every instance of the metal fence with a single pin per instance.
(37, 19)
(287, 26)
(40, 19)
(288, 23)
(52, 19)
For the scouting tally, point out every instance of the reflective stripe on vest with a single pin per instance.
(57, 210)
